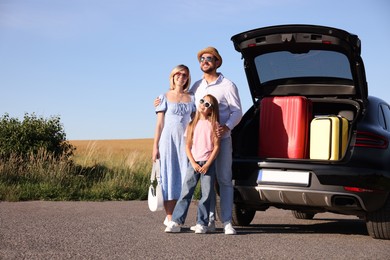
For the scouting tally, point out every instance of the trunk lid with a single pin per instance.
(307, 60)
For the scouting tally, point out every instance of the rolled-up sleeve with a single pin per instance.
(235, 107)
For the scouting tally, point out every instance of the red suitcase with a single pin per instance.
(284, 127)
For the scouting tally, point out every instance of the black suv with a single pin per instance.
(321, 66)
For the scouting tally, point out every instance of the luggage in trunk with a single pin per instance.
(328, 137)
(284, 127)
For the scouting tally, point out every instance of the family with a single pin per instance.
(192, 140)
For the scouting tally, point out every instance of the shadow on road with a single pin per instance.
(345, 227)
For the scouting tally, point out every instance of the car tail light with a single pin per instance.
(370, 140)
(357, 189)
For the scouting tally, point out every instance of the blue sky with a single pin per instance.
(99, 64)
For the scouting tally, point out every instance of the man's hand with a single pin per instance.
(222, 129)
(156, 102)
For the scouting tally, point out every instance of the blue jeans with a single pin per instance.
(207, 187)
(223, 165)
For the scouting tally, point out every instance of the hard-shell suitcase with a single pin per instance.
(284, 127)
(328, 137)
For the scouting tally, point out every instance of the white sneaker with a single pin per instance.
(210, 227)
(200, 229)
(229, 230)
(166, 221)
(172, 227)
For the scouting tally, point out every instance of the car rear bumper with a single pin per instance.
(325, 192)
(261, 197)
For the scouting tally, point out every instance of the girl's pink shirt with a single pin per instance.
(202, 143)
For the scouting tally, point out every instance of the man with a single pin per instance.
(230, 113)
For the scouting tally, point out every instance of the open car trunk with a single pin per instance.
(308, 87)
(296, 131)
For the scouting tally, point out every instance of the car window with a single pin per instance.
(386, 115)
(315, 63)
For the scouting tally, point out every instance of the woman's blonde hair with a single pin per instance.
(175, 70)
(213, 117)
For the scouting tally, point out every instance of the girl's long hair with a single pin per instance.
(213, 117)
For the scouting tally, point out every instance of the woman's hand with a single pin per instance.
(155, 154)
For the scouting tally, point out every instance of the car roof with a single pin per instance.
(326, 61)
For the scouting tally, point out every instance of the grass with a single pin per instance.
(99, 170)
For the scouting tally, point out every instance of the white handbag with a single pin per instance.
(155, 196)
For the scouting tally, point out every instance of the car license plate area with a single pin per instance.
(300, 178)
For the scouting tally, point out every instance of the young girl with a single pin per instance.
(202, 147)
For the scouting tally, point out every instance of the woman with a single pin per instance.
(173, 115)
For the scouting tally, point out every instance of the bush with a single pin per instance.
(31, 136)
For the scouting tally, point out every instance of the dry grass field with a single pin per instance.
(111, 151)
(99, 170)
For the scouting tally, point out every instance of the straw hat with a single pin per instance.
(213, 51)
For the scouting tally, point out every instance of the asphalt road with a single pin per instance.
(128, 230)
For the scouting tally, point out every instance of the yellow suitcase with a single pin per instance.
(328, 137)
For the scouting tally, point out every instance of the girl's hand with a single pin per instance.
(204, 169)
(196, 167)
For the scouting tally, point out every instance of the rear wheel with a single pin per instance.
(378, 222)
(302, 215)
(242, 216)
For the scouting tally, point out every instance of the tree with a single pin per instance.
(33, 135)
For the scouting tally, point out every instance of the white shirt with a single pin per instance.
(226, 92)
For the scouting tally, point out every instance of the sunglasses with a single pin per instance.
(205, 103)
(208, 59)
(183, 75)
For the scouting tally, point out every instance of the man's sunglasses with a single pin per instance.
(208, 59)
(205, 103)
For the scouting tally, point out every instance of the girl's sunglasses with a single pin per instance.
(205, 103)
